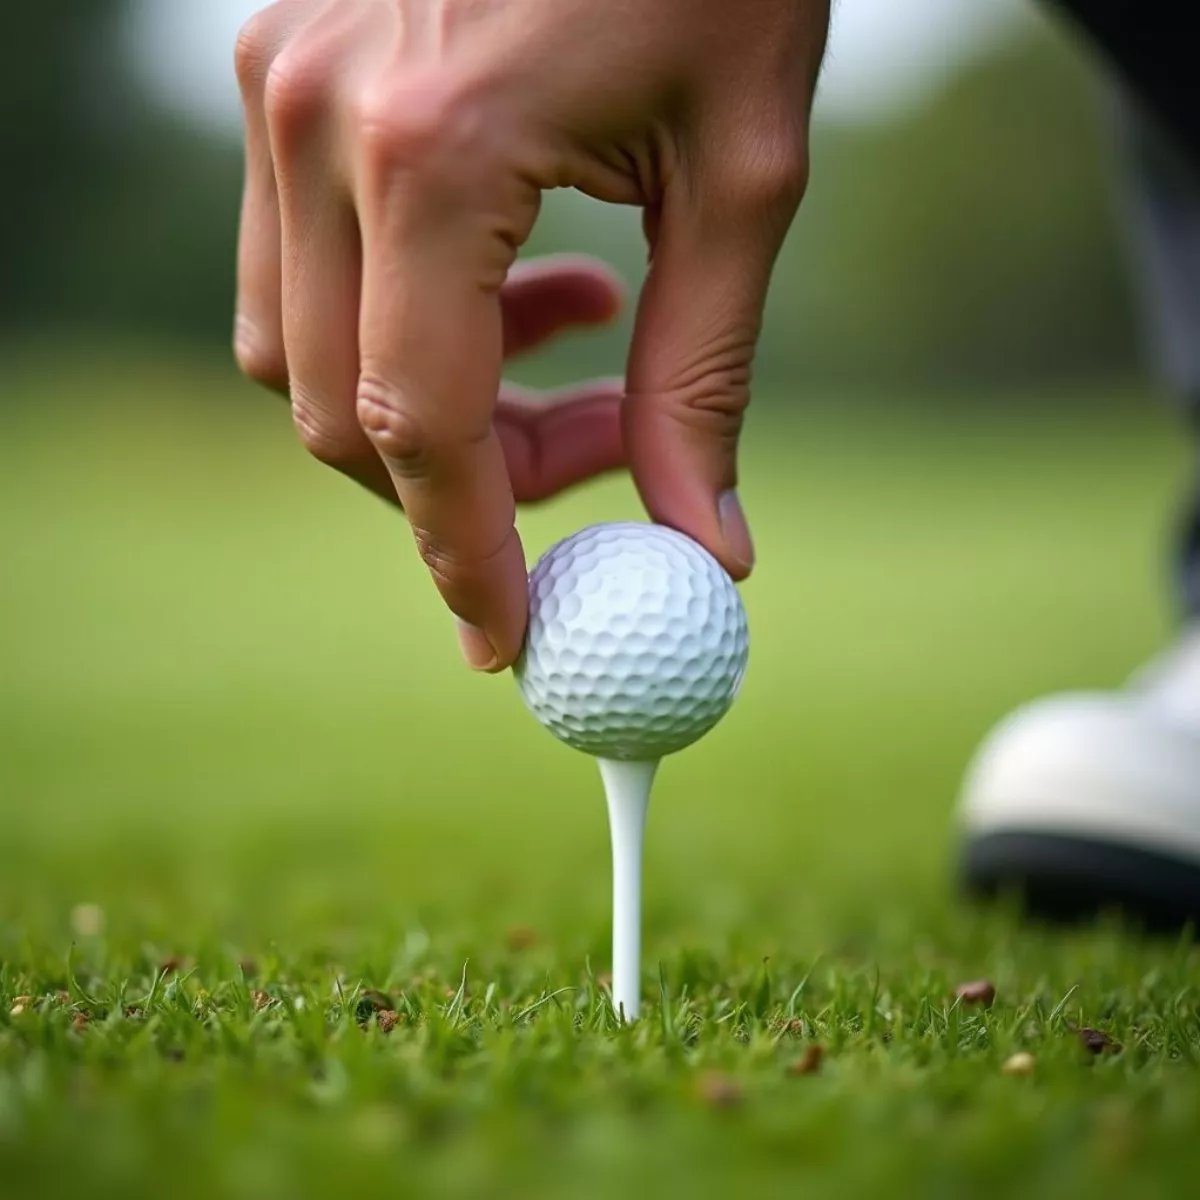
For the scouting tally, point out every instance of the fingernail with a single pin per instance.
(476, 648)
(735, 529)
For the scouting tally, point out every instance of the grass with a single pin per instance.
(252, 801)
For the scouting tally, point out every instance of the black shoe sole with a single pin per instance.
(1073, 879)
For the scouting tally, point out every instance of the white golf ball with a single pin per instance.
(637, 641)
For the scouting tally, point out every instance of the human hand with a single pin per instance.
(550, 441)
(397, 151)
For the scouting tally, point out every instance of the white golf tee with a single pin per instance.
(627, 791)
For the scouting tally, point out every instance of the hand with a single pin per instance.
(397, 151)
(550, 442)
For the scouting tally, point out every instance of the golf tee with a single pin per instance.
(627, 792)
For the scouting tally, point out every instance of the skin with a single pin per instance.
(397, 152)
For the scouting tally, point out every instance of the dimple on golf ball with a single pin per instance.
(637, 641)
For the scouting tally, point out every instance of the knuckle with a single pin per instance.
(717, 380)
(258, 357)
(412, 444)
(253, 51)
(772, 174)
(395, 432)
(438, 559)
(296, 88)
(722, 397)
(423, 122)
(320, 436)
(449, 567)
(718, 407)
(711, 394)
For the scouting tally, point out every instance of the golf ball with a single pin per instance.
(637, 641)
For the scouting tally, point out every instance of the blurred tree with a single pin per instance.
(111, 216)
(972, 241)
(54, 106)
(976, 240)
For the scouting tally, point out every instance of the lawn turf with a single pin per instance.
(253, 802)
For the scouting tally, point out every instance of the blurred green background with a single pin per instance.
(958, 470)
(965, 239)
(960, 477)
(232, 714)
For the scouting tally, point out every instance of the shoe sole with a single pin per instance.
(1064, 878)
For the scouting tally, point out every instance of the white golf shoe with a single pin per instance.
(1088, 802)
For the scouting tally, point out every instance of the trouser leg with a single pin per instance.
(1162, 209)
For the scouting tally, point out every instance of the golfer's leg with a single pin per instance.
(1162, 208)
(1084, 802)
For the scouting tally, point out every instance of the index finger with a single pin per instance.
(431, 346)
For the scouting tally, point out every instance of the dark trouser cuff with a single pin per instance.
(1189, 559)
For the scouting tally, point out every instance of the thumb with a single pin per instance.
(713, 248)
